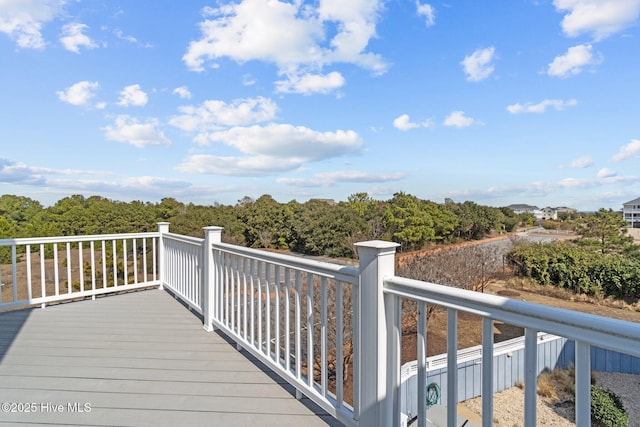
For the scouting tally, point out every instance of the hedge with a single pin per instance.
(578, 269)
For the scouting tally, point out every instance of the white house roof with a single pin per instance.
(522, 207)
(633, 202)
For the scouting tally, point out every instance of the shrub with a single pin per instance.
(607, 409)
(578, 269)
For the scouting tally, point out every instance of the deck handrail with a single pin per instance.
(301, 316)
(585, 329)
(22, 241)
(277, 307)
(46, 270)
(326, 269)
(614, 334)
(182, 268)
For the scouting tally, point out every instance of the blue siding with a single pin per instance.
(508, 370)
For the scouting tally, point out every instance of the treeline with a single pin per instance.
(316, 227)
(603, 261)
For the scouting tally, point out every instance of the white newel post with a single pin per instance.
(212, 235)
(163, 228)
(379, 336)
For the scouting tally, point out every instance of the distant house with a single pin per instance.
(564, 209)
(631, 212)
(519, 209)
(544, 213)
(547, 213)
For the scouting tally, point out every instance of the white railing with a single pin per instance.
(333, 332)
(301, 317)
(586, 330)
(51, 269)
(471, 354)
(183, 267)
(295, 315)
(508, 361)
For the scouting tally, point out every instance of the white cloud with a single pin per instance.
(329, 179)
(131, 131)
(151, 182)
(602, 18)
(575, 183)
(254, 29)
(545, 188)
(427, 11)
(133, 95)
(237, 166)
(604, 177)
(287, 141)
(311, 83)
(478, 66)
(73, 38)
(214, 114)
(248, 80)
(290, 35)
(356, 25)
(572, 62)
(272, 149)
(460, 120)
(22, 20)
(18, 173)
(579, 163)
(79, 94)
(542, 106)
(135, 187)
(119, 34)
(62, 182)
(404, 123)
(183, 92)
(606, 173)
(428, 123)
(628, 151)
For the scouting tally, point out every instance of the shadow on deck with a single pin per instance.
(139, 358)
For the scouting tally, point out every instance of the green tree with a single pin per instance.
(511, 219)
(606, 231)
(408, 221)
(321, 228)
(267, 223)
(527, 219)
(168, 208)
(444, 220)
(371, 211)
(476, 221)
(69, 216)
(19, 211)
(193, 218)
(7, 231)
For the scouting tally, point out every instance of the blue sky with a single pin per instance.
(497, 102)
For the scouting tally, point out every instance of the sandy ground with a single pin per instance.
(508, 405)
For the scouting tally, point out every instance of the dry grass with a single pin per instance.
(547, 387)
(556, 385)
(529, 285)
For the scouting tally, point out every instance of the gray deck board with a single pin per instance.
(137, 359)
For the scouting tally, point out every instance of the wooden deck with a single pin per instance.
(135, 359)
